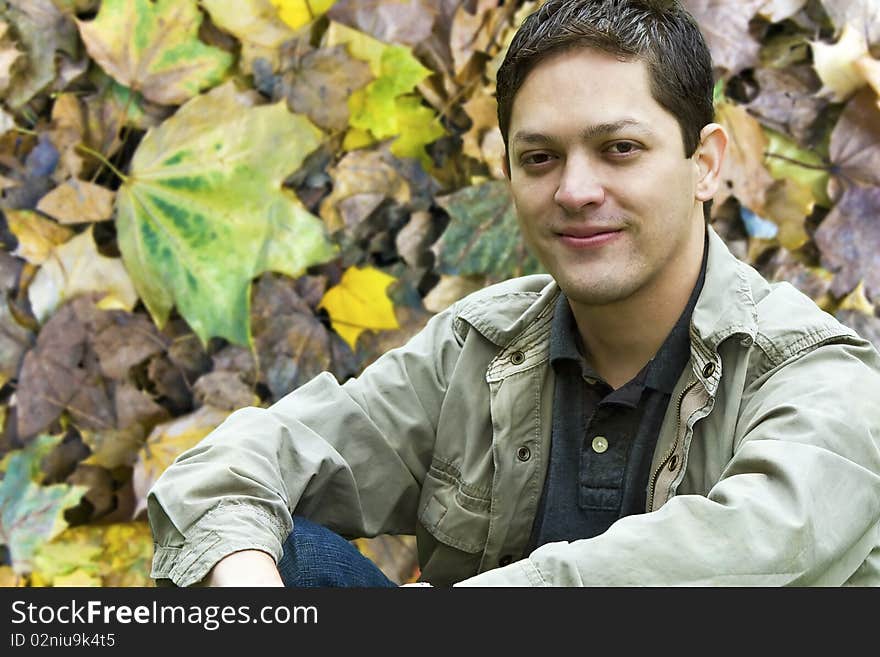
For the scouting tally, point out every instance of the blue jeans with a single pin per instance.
(315, 556)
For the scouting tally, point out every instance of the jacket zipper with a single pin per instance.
(671, 450)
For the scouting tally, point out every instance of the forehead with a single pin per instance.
(586, 86)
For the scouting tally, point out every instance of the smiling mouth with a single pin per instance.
(589, 237)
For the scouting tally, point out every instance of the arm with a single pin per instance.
(798, 503)
(351, 457)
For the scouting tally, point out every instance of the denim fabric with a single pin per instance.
(315, 556)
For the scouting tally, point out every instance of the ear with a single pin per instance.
(709, 159)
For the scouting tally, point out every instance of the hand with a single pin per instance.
(245, 568)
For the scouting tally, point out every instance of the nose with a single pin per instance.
(579, 185)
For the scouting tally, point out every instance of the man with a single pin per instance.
(653, 413)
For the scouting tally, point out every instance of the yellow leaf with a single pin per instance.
(76, 268)
(255, 23)
(166, 442)
(360, 302)
(836, 65)
(37, 236)
(297, 13)
(858, 301)
(869, 69)
(789, 203)
(78, 201)
(9, 578)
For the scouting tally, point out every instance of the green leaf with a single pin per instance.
(483, 236)
(204, 212)
(786, 160)
(153, 47)
(31, 514)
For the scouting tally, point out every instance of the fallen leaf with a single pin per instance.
(786, 160)
(788, 206)
(725, 26)
(483, 235)
(855, 143)
(396, 556)
(866, 326)
(360, 302)
(76, 268)
(392, 21)
(857, 301)
(166, 442)
(320, 82)
(743, 173)
(78, 201)
(31, 514)
(778, 10)
(15, 340)
(362, 172)
(153, 48)
(864, 15)
(836, 65)
(37, 236)
(124, 341)
(484, 141)
(224, 390)
(787, 101)
(203, 210)
(450, 289)
(255, 23)
(869, 69)
(849, 241)
(11, 58)
(298, 13)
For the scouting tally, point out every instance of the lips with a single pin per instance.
(583, 232)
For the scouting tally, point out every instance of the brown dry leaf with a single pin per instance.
(78, 201)
(126, 340)
(855, 143)
(257, 26)
(75, 268)
(15, 340)
(849, 241)
(787, 101)
(11, 58)
(67, 133)
(362, 172)
(393, 21)
(61, 373)
(166, 442)
(413, 240)
(815, 282)
(743, 174)
(293, 346)
(869, 68)
(836, 65)
(483, 141)
(866, 326)
(473, 28)
(725, 25)
(864, 15)
(37, 236)
(320, 82)
(100, 488)
(224, 390)
(778, 10)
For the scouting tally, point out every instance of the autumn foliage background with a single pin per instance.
(206, 203)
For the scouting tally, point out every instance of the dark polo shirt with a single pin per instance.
(603, 439)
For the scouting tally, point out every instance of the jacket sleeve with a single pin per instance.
(350, 456)
(798, 503)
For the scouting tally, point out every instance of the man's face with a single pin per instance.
(603, 191)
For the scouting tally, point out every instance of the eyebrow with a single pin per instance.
(590, 132)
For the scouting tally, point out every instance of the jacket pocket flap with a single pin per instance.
(464, 527)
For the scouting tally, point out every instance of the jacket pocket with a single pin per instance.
(452, 511)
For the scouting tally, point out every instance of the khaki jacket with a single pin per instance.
(766, 471)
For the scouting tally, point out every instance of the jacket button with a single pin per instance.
(506, 560)
(673, 463)
(523, 453)
(600, 444)
(709, 370)
(517, 357)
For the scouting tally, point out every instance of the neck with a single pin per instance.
(624, 336)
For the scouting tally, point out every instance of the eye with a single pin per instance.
(623, 148)
(535, 159)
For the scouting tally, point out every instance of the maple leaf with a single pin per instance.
(203, 210)
(153, 48)
(360, 302)
(743, 173)
(392, 21)
(31, 514)
(725, 26)
(166, 442)
(37, 237)
(75, 268)
(255, 23)
(836, 65)
(855, 142)
(483, 235)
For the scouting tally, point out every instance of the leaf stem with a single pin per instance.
(103, 160)
(798, 162)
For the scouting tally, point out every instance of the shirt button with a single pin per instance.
(600, 444)
(709, 370)
(523, 453)
(517, 357)
(506, 560)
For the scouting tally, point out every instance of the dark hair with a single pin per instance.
(659, 32)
